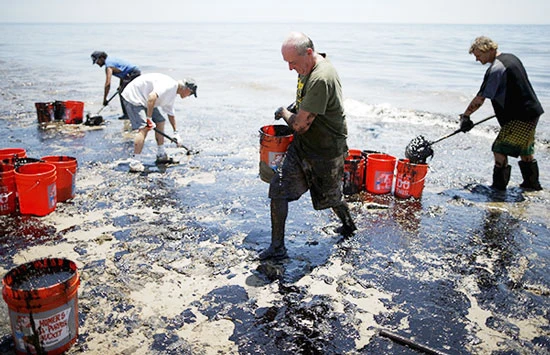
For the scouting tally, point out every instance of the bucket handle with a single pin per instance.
(424, 178)
(421, 180)
(70, 172)
(35, 185)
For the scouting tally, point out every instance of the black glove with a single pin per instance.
(466, 123)
(292, 107)
(279, 113)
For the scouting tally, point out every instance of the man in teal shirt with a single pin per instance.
(315, 158)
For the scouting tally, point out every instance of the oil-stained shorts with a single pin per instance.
(516, 138)
(322, 177)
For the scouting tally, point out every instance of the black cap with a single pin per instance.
(96, 55)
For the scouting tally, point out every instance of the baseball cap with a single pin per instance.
(96, 54)
(191, 85)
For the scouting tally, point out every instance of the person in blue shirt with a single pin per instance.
(122, 69)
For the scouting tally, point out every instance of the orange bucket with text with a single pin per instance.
(66, 175)
(36, 188)
(274, 142)
(409, 180)
(380, 171)
(7, 189)
(42, 300)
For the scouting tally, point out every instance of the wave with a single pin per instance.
(364, 115)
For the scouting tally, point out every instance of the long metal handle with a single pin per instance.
(112, 97)
(173, 140)
(459, 130)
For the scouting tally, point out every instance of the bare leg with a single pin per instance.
(139, 140)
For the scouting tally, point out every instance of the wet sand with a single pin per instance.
(167, 259)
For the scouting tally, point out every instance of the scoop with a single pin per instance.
(420, 149)
(97, 120)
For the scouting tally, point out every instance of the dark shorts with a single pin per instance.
(128, 78)
(516, 138)
(322, 177)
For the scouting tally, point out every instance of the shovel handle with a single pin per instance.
(112, 97)
(459, 130)
(173, 140)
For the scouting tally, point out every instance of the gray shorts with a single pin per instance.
(322, 177)
(138, 115)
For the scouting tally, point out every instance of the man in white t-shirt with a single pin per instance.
(142, 98)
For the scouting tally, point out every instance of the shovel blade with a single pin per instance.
(93, 120)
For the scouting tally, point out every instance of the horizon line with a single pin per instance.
(265, 22)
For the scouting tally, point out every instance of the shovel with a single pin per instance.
(174, 140)
(97, 119)
(420, 149)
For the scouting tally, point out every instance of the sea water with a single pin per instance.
(411, 67)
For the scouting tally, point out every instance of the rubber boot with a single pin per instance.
(277, 249)
(530, 173)
(348, 227)
(501, 176)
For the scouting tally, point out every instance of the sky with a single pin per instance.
(364, 11)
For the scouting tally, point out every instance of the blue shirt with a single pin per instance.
(122, 65)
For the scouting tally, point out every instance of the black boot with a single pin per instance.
(277, 249)
(501, 176)
(530, 173)
(348, 227)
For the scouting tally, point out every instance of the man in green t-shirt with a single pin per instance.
(315, 158)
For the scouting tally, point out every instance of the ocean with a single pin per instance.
(460, 269)
(412, 67)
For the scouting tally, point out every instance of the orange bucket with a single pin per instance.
(8, 155)
(59, 110)
(7, 189)
(43, 305)
(66, 175)
(74, 112)
(36, 188)
(274, 141)
(354, 172)
(380, 171)
(45, 111)
(409, 180)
